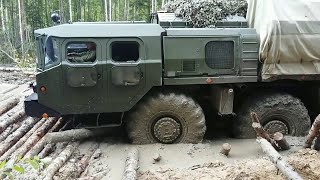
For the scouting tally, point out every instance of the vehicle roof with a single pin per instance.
(102, 30)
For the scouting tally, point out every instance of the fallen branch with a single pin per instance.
(278, 161)
(8, 104)
(69, 135)
(21, 141)
(226, 147)
(130, 170)
(14, 137)
(314, 131)
(58, 162)
(281, 141)
(11, 117)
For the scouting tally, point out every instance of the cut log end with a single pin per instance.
(281, 141)
(225, 150)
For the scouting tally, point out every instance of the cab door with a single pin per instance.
(82, 75)
(126, 70)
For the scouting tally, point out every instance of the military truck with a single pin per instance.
(157, 80)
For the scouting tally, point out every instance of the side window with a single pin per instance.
(81, 52)
(220, 54)
(124, 51)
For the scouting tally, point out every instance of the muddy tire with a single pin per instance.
(166, 118)
(278, 113)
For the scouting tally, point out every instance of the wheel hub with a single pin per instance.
(276, 126)
(167, 130)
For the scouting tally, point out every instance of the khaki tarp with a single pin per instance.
(289, 32)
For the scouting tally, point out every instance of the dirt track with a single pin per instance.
(182, 161)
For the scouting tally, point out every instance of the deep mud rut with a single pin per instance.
(180, 161)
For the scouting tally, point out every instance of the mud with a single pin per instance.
(179, 161)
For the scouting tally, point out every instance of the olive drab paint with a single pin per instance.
(128, 60)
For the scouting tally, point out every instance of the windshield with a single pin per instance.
(50, 49)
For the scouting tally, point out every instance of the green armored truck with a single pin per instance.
(157, 79)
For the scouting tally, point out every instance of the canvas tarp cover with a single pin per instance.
(289, 33)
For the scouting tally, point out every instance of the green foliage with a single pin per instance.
(36, 14)
(34, 162)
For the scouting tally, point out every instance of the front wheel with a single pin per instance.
(278, 112)
(166, 118)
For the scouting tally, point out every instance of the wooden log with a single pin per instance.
(36, 150)
(317, 143)
(58, 162)
(11, 117)
(84, 162)
(4, 96)
(7, 154)
(258, 127)
(15, 137)
(278, 160)
(226, 147)
(9, 130)
(314, 131)
(281, 141)
(6, 133)
(131, 166)
(8, 104)
(69, 135)
(46, 151)
(40, 132)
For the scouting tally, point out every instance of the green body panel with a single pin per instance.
(81, 88)
(185, 56)
(166, 57)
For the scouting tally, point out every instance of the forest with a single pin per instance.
(19, 19)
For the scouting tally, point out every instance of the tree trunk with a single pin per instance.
(314, 131)
(162, 4)
(58, 162)
(21, 26)
(278, 160)
(110, 10)
(105, 10)
(14, 137)
(3, 23)
(125, 10)
(70, 10)
(22, 140)
(131, 166)
(8, 104)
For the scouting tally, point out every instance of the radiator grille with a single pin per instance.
(220, 54)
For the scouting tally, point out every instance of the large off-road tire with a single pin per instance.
(278, 112)
(166, 118)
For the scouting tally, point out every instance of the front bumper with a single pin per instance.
(34, 109)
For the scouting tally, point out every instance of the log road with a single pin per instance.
(96, 158)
